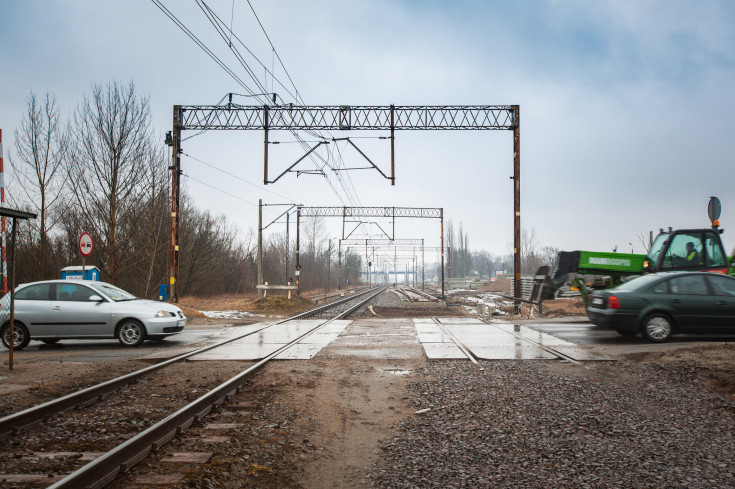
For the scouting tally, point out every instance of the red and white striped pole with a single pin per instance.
(2, 204)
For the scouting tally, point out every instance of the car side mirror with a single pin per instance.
(95, 298)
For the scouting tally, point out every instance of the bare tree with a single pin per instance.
(40, 146)
(530, 258)
(464, 255)
(450, 242)
(548, 255)
(645, 240)
(111, 138)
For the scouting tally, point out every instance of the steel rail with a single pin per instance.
(12, 423)
(105, 468)
(459, 344)
(423, 294)
(403, 293)
(327, 306)
(562, 356)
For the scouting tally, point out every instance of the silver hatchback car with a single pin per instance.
(73, 309)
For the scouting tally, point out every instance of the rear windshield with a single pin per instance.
(638, 282)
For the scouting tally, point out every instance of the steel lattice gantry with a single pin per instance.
(341, 117)
(392, 212)
(347, 117)
(390, 244)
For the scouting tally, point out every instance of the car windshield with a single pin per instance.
(657, 246)
(114, 293)
(638, 282)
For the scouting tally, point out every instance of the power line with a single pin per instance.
(219, 190)
(221, 27)
(199, 43)
(211, 16)
(218, 25)
(298, 97)
(227, 193)
(238, 178)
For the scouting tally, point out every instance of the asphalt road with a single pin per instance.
(582, 332)
(111, 349)
(575, 330)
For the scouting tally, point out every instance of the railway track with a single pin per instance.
(25, 434)
(411, 294)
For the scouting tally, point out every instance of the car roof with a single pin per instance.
(685, 272)
(65, 281)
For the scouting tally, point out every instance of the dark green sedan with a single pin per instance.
(661, 304)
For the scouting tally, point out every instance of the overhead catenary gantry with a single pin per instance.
(394, 245)
(388, 212)
(340, 118)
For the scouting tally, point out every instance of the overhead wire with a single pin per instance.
(199, 43)
(265, 208)
(221, 28)
(238, 178)
(217, 24)
(298, 97)
(218, 189)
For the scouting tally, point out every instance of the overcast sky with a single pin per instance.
(627, 107)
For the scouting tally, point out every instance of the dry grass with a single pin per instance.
(565, 307)
(500, 285)
(552, 308)
(273, 303)
(224, 302)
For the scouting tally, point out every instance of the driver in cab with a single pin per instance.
(691, 256)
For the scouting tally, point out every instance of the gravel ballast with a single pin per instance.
(523, 424)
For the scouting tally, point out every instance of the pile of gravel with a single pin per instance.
(524, 424)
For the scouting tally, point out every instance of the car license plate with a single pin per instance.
(178, 323)
(598, 301)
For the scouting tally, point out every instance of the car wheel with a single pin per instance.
(627, 334)
(131, 333)
(657, 328)
(21, 338)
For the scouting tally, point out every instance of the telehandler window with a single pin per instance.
(684, 251)
(715, 257)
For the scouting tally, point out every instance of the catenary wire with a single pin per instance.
(180, 24)
(199, 43)
(238, 178)
(226, 193)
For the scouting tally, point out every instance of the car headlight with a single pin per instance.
(161, 314)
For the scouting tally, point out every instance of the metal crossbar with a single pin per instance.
(424, 212)
(346, 117)
(383, 242)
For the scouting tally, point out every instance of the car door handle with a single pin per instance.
(57, 308)
(721, 303)
(676, 301)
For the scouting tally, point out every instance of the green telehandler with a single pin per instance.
(681, 249)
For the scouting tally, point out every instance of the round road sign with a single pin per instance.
(714, 208)
(85, 244)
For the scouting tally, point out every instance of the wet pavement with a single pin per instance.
(502, 341)
(269, 340)
(436, 339)
(387, 338)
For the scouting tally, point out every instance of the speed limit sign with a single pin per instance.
(85, 244)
